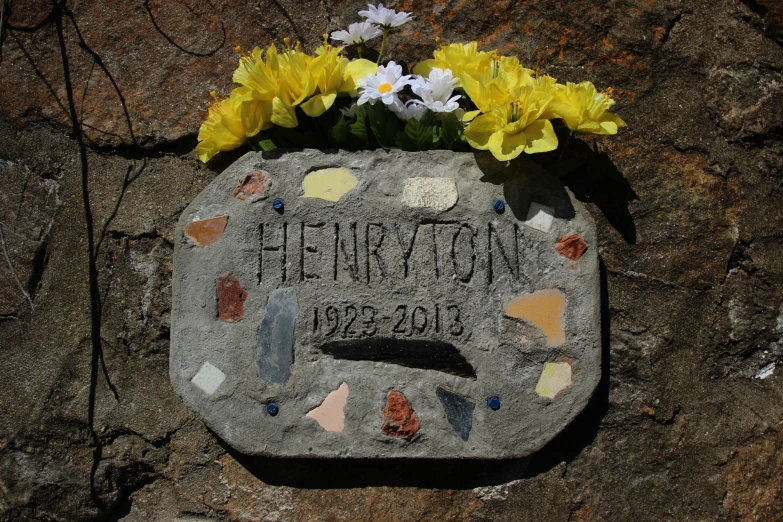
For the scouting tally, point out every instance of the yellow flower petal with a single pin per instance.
(507, 146)
(468, 116)
(541, 137)
(283, 114)
(479, 131)
(318, 104)
(355, 70)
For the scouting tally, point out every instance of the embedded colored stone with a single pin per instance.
(459, 411)
(251, 185)
(494, 403)
(231, 299)
(543, 309)
(276, 336)
(330, 415)
(205, 232)
(328, 184)
(209, 378)
(571, 246)
(555, 377)
(439, 194)
(540, 217)
(399, 419)
(272, 409)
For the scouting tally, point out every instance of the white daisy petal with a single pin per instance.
(357, 33)
(386, 18)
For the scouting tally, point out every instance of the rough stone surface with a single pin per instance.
(439, 194)
(686, 200)
(365, 290)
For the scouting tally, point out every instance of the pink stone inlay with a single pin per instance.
(251, 185)
(330, 415)
(206, 232)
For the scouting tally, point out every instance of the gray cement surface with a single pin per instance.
(375, 267)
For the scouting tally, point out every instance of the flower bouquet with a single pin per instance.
(462, 98)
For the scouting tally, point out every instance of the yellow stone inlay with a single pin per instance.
(328, 184)
(543, 309)
(555, 378)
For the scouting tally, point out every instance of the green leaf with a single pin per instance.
(417, 136)
(451, 132)
(358, 130)
(384, 125)
(267, 145)
(340, 133)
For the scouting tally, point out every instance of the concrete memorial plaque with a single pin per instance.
(385, 304)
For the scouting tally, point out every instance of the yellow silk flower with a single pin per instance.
(332, 74)
(229, 122)
(460, 58)
(584, 109)
(514, 126)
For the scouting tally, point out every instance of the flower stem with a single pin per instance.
(383, 44)
(359, 49)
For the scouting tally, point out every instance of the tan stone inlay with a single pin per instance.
(555, 377)
(206, 231)
(543, 309)
(331, 413)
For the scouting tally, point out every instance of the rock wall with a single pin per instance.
(100, 108)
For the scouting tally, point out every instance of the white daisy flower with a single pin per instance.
(357, 33)
(386, 18)
(383, 85)
(436, 90)
(406, 111)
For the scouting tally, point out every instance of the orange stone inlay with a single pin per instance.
(399, 419)
(231, 299)
(543, 309)
(251, 185)
(571, 246)
(206, 231)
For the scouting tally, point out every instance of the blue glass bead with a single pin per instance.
(278, 204)
(499, 206)
(494, 403)
(272, 408)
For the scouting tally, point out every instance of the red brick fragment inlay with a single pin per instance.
(571, 246)
(399, 419)
(206, 231)
(251, 185)
(231, 299)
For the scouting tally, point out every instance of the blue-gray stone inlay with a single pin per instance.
(276, 336)
(459, 411)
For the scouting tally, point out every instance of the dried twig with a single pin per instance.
(11, 268)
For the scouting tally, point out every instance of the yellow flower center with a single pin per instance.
(384, 88)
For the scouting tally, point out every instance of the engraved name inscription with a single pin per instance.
(377, 252)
